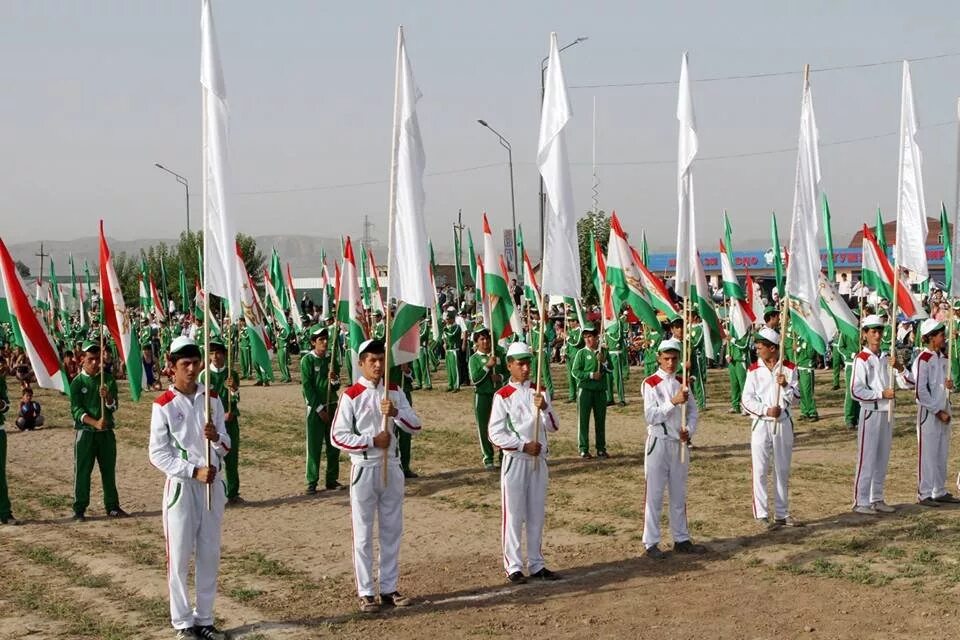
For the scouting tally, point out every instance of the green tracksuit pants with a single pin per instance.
(453, 370)
(738, 377)
(404, 439)
(571, 381)
(4, 495)
(421, 370)
(808, 404)
(547, 381)
(99, 447)
(836, 365)
(698, 386)
(592, 401)
(615, 379)
(283, 363)
(851, 408)
(245, 363)
(318, 436)
(231, 461)
(482, 405)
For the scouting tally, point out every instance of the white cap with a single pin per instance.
(769, 335)
(670, 344)
(519, 351)
(181, 342)
(366, 344)
(929, 326)
(872, 320)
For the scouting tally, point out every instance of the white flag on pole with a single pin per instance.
(561, 257)
(910, 250)
(687, 147)
(221, 275)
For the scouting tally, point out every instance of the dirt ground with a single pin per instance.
(286, 569)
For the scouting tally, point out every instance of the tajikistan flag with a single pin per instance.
(624, 278)
(157, 303)
(350, 308)
(292, 297)
(700, 296)
(117, 319)
(252, 313)
(741, 315)
(36, 341)
(877, 273)
(531, 291)
(660, 297)
(501, 305)
(837, 308)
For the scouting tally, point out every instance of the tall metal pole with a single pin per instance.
(513, 202)
(186, 188)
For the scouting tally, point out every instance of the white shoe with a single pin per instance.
(865, 510)
(882, 507)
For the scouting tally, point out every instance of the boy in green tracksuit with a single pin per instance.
(738, 359)
(836, 361)
(487, 373)
(283, 355)
(572, 344)
(6, 515)
(245, 356)
(651, 340)
(590, 368)
(95, 440)
(551, 334)
(402, 376)
(613, 337)
(319, 379)
(804, 358)
(451, 342)
(226, 384)
(849, 347)
(698, 360)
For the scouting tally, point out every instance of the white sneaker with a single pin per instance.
(882, 507)
(865, 510)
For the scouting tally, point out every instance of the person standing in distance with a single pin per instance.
(179, 438)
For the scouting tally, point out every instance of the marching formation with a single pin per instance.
(365, 349)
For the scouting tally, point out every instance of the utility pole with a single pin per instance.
(41, 255)
(366, 238)
(458, 229)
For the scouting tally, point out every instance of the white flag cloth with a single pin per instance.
(561, 257)
(910, 250)
(221, 276)
(803, 267)
(687, 147)
(409, 275)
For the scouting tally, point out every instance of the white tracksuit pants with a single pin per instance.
(662, 470)
(933, 444)
(192, 531)
(523, 491)
(874, 435)
(370, 500)
(770, 441)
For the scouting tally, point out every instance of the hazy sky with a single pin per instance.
(95, 92)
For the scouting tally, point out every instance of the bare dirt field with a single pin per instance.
(286, 570)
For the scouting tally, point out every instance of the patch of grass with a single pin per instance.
(925, 556)
(55, 502)
(861, 574)
(628, 514)
(244, 594)
(596, 529)
(467, 504)
(259, 564)
(892, 553)
(93, 581)
(824, 567)
(924, 529)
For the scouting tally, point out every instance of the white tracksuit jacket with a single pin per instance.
(523, 478)
(177, 448)
(662, 468)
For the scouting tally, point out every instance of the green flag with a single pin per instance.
(73, 279)
(880, 233)
(777, 259)
(945, 237)
(829, 235)
(644, 250)
(595, 274)
(458, 273)
(276, 279)
(163, 283)
(473, 269)
(54, 288)
(184, 300)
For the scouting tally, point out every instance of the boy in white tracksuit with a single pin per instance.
(374, 493)
(769, 391)
(933, 386)
(870, 385)
(179, 438)
(663, 397)
(515, 428)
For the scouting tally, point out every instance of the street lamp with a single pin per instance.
(517, 259)
(186, 188)
(543, 74)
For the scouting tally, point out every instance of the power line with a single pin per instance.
(754, 76)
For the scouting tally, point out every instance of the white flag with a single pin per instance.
(910, 250)
(561, 256)
(803, 268)
(221, 276)
(687, 261)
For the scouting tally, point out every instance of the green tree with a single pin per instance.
(23, 270)
(599, 224)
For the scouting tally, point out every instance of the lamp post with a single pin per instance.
(186, 188)
(513, 203)
(543, 74)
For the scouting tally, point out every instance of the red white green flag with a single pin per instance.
(501, 304)
(624, 277)
(877, 273)
(292, 297)
(117, 320)
(659, 294)
(36, 341)
(157, 303)
(350, 307)
(252, 310)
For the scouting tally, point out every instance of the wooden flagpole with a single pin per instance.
(390, 222)
(685, 381)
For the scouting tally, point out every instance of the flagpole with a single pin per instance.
(684, 352)
(390, 221)
(206, 298)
